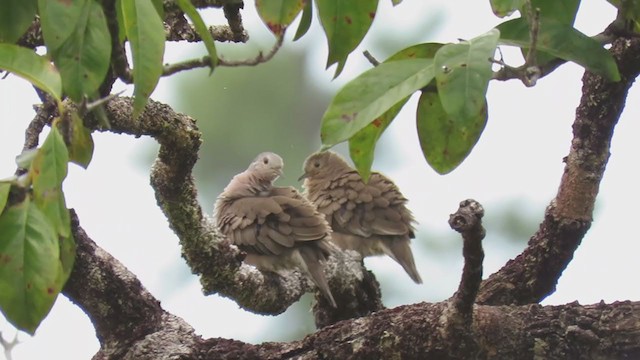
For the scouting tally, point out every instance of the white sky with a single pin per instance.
(518, 157)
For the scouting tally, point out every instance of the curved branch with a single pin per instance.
(533, 274)
(219, 263)
(125, 315)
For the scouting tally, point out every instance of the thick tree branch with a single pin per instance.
(533, 274)
(130, 324)
(218, 263)
(128, 320)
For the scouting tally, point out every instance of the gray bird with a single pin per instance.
(275, 226)
(370, 218)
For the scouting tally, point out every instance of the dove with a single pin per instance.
(370, 218)
(276, 227)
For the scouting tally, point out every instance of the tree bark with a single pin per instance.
(533, 275)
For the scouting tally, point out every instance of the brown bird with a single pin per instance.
(276, 226)
(370, 218)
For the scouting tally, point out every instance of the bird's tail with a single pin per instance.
(313, 260)
(400, 250)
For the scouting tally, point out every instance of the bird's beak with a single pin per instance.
(303, 176)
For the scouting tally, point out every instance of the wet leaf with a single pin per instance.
(362, 144)
(201, 28)
(83, 58)
(345, 24)
(29, 265)
(145, 32)
(48, 170)
(446, 141)
(80, 142)
(305, 21)
(370, 95)
(562, 41)
(463, 72)
(15, 18)
(278, 14)
(32, 67)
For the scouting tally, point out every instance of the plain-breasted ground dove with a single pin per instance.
(370, 218)
(276, 226)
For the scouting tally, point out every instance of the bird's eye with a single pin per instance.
(316, 164)
(265, 160)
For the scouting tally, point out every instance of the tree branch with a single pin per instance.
(468, 221)
(533, 274)
(205, 61)
(130, 324)
(219, 263)
(126, 317)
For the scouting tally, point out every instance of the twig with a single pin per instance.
(371, 58)
(44, 114)
(205, 61)
(87, 107)
(120, 65)
(534, 15)
(232, 13)
(8, 345)
(468, 221)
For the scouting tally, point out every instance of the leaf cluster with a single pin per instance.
(452, 79)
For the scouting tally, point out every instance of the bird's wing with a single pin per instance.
(270, 225)
(375, 208)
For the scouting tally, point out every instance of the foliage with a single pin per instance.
(84, 40)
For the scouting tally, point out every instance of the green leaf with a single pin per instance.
(4, 194)
(370, 95)
(145, 32)
(305, 21)
(122, 33)
(362, 144)
(562, 41)
(32, 67)
(561, 11)
(48, 169)
(29, 266)
(345, 24)
(504, 8)
(159, 5)
(396, 2)
(80, 142)
(15, 18)
(278, 14)
(84, 57)
(418, 51)
(58, 19)
(446, 141)
(463, 72)
(201, 28)
(67, 258)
